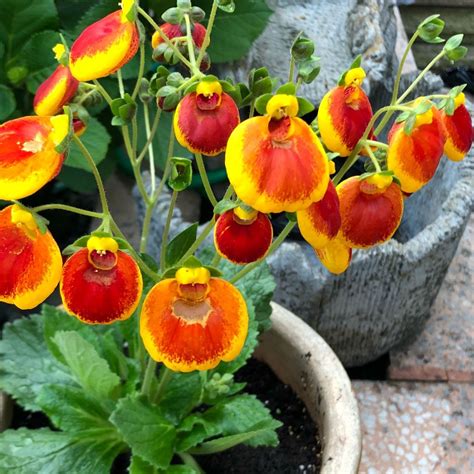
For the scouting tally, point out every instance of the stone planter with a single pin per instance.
(301, 359)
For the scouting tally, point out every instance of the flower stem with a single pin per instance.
(141, 70)
(276, 243)
(205, 179)
(104, 93)
(165, 378)
(190, 41)
(151, 156)
(95, 172)
(150, 372)
(164, 241)
(373, 158)
(63, 207)
(189, 460)
(207, 37)
(154, 128)
(120, 83)
(377, 144)
(291, 73)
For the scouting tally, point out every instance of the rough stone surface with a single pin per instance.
(420, 428)
(341, 29)
(445, 349)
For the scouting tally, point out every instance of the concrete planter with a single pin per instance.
(301, 359)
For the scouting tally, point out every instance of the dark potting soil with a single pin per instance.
(299, 450)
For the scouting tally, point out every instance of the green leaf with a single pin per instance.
(288, 88)
(7, 99)
(145, 430)
(409, 124)
(44, 451)
(96, 138)
(180, 245)
(225, 205)
(71, 409)
(309, 69)
(21, 19)
(261, 103)
(26, 362)
(90, 370)
(262, 86)
(246, 23)
(304, 107)
(302, 48)
(139, 466)
(194, 430)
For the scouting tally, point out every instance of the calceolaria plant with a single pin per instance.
(141, 357)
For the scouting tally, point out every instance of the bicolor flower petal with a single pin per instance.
(243, 236)
(104, 47)
(176, 31)
(30, 262)
(192, 322)
(459, 130)
(28, 157)
(335, 256)
(276, 162)
(344, 114)
(108, 276)
(55, 92)
(320, 222)
(204, 119)
(414, 158)
(371, 210)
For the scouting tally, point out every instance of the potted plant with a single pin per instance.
(137, 370)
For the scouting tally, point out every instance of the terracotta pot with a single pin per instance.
(301, 359)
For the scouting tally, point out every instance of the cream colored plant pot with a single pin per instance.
(301, 359)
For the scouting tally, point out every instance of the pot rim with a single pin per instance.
(302, 359)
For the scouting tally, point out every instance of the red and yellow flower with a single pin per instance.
(28, 156)
(344, 114)
(57, 90)
(30, 262)
(336, 255)
(320, 222)
(414, 157)
(105, 46)
(459, 130)
(276, 162)
(204, 119)
(108, 276)
(243, 236)
(193, 321)
(371, 210)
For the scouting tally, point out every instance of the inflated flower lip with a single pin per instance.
(276, 162)
(344, 114)
(371, 210)
(57, 90)
(320, 222)
(459, 131)
(193, 321)
(414, 158)
(176, 31)
(335, 256)
(243, 236)
(28, 156)
(109, 277)
(204, 119)
(30, 262)
(104, 47)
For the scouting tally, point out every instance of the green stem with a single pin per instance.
(141, 70)
(291, 73)
(191, 462)
(165, 38)
(377, 144)
(95, 172)
(252, 109)
(373, 158)
(63, 207)
(135, 139)
(151, 156)
(154, 128)
(190, 41)
(215, 261)
(148, 378)
(120, 83)
(164, 241)
(276, 243)
(207, 37)
(165, 378)
(104, 93)
(205, 179)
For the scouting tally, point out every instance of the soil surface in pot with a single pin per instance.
(299, 450)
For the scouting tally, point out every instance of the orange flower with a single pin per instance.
(55, 92)
(243, 236)
(176, 31)
(335, 256)
(104, 47)
(204, 119)
(101, 284)
(320, 222)
(30, 262)
(276, 162)
(414, 158)
(193, 321)
(28, 156)
(459, 130)
(371, 210)
(344, 114)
